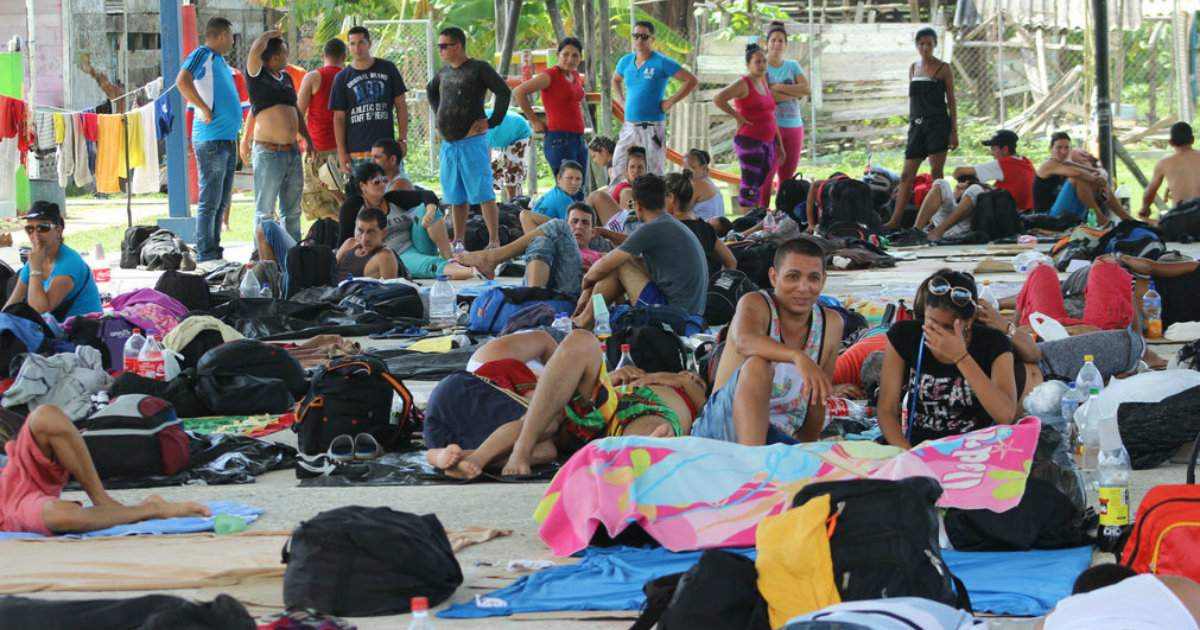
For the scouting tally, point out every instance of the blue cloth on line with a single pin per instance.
(179, 525)
(1022, 583)
(1010, 582)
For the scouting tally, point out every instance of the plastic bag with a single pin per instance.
(1025, 263)
(1045, 400)
(1047, 327)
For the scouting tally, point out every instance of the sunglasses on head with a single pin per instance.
(41, 227)
(642, 36)
(958, 295)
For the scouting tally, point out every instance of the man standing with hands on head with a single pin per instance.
(278, 173)
(207, 83)
(363, 97)
(456, 96)
(646, 74)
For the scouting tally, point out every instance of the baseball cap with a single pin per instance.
(45, 210)
(1003, 138)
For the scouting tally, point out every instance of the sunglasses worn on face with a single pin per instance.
(41, 227)
(958, 295)
(642, 36)
(379, 180)
(445, 45)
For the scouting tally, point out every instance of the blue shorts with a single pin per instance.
(466, 171)
(1068, 202)
(651, 295)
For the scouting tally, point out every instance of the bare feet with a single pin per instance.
(452, 461)
(484, 260)
(516, 467)
(663, 430)
(166, 509)
(1153, 361)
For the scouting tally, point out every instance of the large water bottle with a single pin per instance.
(249, 286)
(601, 326)
(987, 295)
(133, 347)
(1089, 377)
(443, 308)
(1071, 401)
(420, 614)
(150, 360)
(1087, 417)
(562, 323)
(626, 358)
(1152, 311)
(1113, 470)
(769, 222)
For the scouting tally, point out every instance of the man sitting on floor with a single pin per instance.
(554, 204)
(660, 263)
(389, 155)
(556, 252)
(365, 255)
(46, 452)
(777, 366)
(1070, 183)
(1011, 172)
(1180, 170)
(575, 401)
(942, 201)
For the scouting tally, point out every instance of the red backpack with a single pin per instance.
(1166, 534)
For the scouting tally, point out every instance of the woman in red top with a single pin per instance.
(757, 141)
(562, 92)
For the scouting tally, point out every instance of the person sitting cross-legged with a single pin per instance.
(576, 400)
(554, 204)
(47, 452)
(777, 366)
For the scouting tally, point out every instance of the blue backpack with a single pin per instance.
(492, 309)
(1134, 238)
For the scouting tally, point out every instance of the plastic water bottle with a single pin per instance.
(1070, 402)
(1089, 377)
(420, 615)
(1088, 419)
(101, 272)
(266, 291)
(601, 326)
(1152, 310)
(133, 347)
(459, 248)
(150, 360)
(249, 287)
(1122, 193)
(562, 323)
(987, 295)
(443, 309)
(626, 357)
(769, 223)
(1113, 470)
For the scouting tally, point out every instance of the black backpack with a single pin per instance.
(325, 232)
(163, 250)
(842, 200)
(1181, 224)
(348, 396)
(189, 289)
(654, 335)
(725, 288)
(131, 245)
(996, 215)
(309, 265)
(248, 376)
(136, 436)
(792, 193)
(883, 536)
(755, 258)
(719, 592)
(393, 300)
(358, 562)
(476, 237)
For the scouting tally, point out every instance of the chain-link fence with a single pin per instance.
(410, 44)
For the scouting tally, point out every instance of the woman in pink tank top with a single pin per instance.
(757, 141)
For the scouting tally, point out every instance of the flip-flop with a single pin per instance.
(401, 332)
(366, 447)
(341, 448)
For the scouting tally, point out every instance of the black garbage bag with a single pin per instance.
(1153, 431)
(148, 612)
(423, 366)
(265, 318)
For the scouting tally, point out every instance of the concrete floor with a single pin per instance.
(511, 505)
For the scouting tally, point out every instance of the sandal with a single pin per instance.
(366, 447)
(341, 449)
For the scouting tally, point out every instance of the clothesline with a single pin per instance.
(60, 110)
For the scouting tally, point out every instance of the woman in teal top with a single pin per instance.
(64, 285)
(788, 85)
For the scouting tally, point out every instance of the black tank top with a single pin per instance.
(352, 265)
(1045, 191)
(927, 96)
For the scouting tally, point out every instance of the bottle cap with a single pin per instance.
(420, 603)
(1087, 357)
(442, 276)
(249, 266)
(1095, 391)
(624, 347)
(137, 331)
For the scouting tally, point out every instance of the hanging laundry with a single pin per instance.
(43, 124)
(12, 117)
(105, 107)
(133, 140)
(66, 150)
(110, 153)
(60, 129)
(146, 177)
(90, 129)
(163, 116)
(82, 171)
(10, 159)
(153, 88)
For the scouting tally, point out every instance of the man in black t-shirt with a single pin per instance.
(456, 95)
(362, 100)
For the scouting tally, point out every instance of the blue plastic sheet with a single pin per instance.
(180, 525)
(1021, 583)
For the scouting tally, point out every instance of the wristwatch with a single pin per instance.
(1012, 329)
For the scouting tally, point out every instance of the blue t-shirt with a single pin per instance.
(554, 204)
(512, 128)
(787, 113)
(645, 86)
(214, 82)
(84, 297)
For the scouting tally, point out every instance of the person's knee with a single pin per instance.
(61, 517)
(49, 421)
(756, 370)
(579, 343)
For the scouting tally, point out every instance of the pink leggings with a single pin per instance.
(793, 146)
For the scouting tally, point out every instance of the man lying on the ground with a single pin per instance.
(774, 374)
(660, 263)
(576, 401)
(1111, 596)
(46, 453)
(365, 255)
(554, 204)
(557, 252)
(1071, 183)
(1181, 171)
